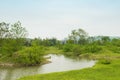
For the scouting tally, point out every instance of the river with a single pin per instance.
(58, 63)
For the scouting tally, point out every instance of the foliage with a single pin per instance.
(4, 30)
(10, 46)
(114, 49)
(53, 50)
(67, 47)
(11, 37)
(45, 42)
(30, 55)
(77, 50)
(29, 51)
(78, 36)
(116, 42)
(17, 31)
(105, 61)
(92, 48)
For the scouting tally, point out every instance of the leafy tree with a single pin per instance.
(53, 41)
(4, 30)
(18, 31)
(11, 37)
(73, 36)
(78, 36)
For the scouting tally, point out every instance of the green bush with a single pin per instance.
(73, 49)
(116, 42)
(30, 55)
(9, 46)
(115, 49)
(67, 47)
(77, 50)
(105, 61)
(92, 48)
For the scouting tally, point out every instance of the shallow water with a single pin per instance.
(58, 63)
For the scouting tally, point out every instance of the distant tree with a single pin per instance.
(102, 40)
(105, 39)
(4, 30)
(28, 42)
(73, 36)
(18, 31)
(91, 39)
(53, 41)
(46, 42)
(116, 42)
(78, 36)
(36, 42)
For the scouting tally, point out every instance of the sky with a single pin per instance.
(56, 18)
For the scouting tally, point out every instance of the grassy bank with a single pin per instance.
(107, 69)
(53, 50)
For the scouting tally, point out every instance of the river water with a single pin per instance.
(58, 63)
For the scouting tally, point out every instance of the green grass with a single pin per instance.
(105, 53)
(53, 50)
(100, 71)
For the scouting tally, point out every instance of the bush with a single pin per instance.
(67, 47)
(72, 49)
(30, 55)
(9, 46)
(77, 50)
(92, 48)
(115, 49)
(105, 61)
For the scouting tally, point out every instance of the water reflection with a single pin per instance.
(59, 63)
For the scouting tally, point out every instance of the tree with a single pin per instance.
(78, 36)
(53, 41)
(105, 39)
(11, 37)
(18, 35)
(18, 31)
(73, 36)
(4, 30)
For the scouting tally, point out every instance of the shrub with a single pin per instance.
(115, 49)
(30, 55)
(77, 50)
(73, 50)
(92, 48)
(105, 61)
(67, 47)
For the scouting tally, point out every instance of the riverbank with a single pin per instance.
(27, 56)
(101, 71)
(5, 64)
(8, 63)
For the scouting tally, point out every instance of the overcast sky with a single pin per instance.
(56, 18)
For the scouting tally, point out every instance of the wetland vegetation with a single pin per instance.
(18, 50)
